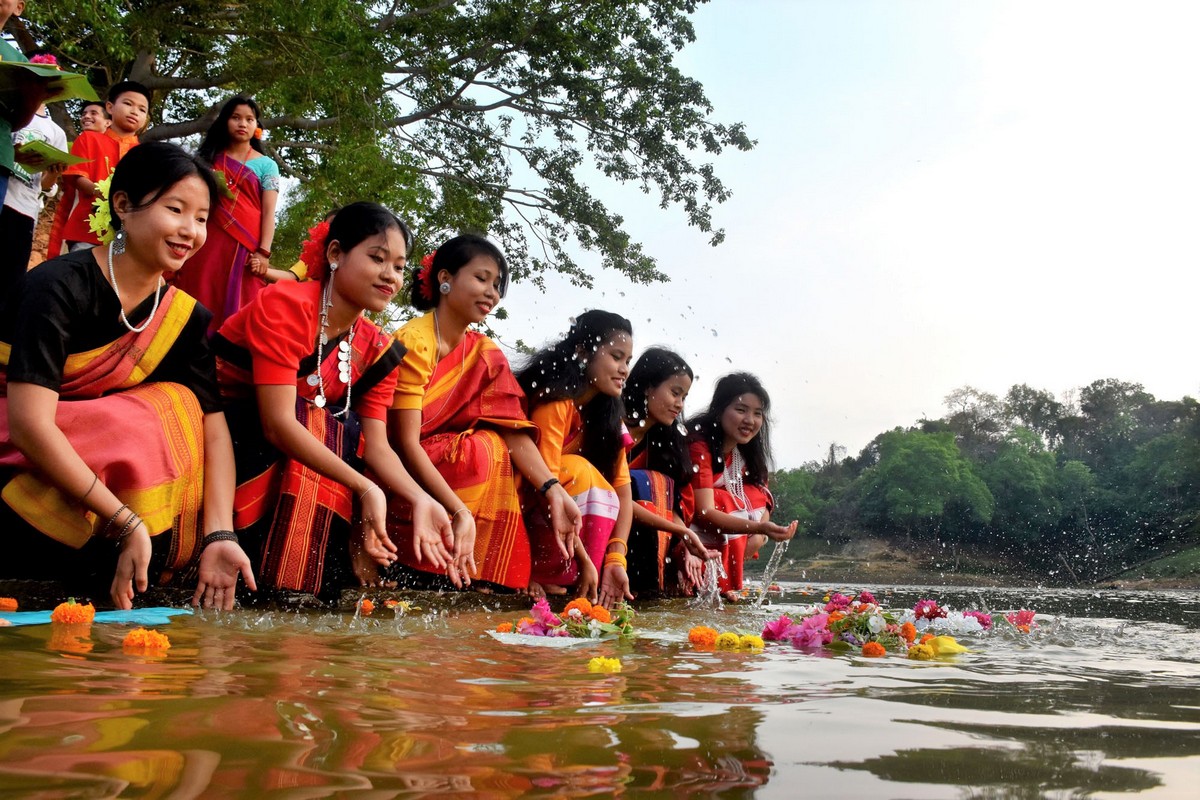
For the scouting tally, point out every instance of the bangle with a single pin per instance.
(460, 511)
(95, 480)
(367, 491)
(219, 536)
(546, 486)
(616, 558)
(111, 520)
(622, 542)
(131, 525)
(264, 252)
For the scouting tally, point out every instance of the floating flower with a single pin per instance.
(600, 614)
(543, 615)
(728, 641)
(835, 617)
(985, 620)
(601, 664)
(703, 637)
(530, 627)
(365, 607)
(72, 613)
(504, 627)
(874, 650)
(580, 604)
(921, 652)
(926, 637)
(811, 632)
(866, 597)
(1022, 620)
(928, 609)
(8, 604)
(908, 632)
(945, 646)
(777, 629)
(836, 602)
(751, 642)
(146, 640)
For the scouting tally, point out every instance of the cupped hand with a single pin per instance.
(614, 585)
(777, 532)
(132, 566)
(565, 518)
(433, 536)
(220, 564)
(463, 554)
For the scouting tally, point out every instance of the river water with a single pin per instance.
(1102, 699)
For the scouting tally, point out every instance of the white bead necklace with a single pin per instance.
(112, 276)
(734, 480)
(345, 349)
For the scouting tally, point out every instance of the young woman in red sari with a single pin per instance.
(731, 452)
(574, 390)
(140, 446)
(220, 274)
(308, 381)
(458, 422)
(660, 471)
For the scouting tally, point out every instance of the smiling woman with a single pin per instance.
(307, 381)
(143, 446)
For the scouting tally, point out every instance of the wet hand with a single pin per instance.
(374, 539)
(565, 518)
(132, 566)
(614, 585)
(463, 525)
(433, 536)
(589, 580)
(220, 564)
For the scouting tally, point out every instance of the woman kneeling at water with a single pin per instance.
(458, 421)
(308, 381)
(141, 446)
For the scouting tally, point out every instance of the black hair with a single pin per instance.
(666, 446)
(356, 222)
(559, 372)
(98, 103)
(706, 426)
(121, 87)
(216, 138)
(452, 256)
(147, 171)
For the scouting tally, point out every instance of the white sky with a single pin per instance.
(943, 193)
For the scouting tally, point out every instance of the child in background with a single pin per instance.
(91, 118)
(660, 469)
(129, 108)
(731, 451)
(574, 391)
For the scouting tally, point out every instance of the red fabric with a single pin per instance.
(102, 151)
(702, 464)
(279, 329)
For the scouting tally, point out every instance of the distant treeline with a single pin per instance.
(1106, 477)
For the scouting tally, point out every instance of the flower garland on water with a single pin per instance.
(146, 641)
(601, 664)
(703, 637)
(580, 619)
(72, 613)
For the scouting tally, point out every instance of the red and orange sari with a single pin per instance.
(648, 548)
(144, 440)
(470, 396)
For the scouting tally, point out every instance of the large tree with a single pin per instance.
(496, 115)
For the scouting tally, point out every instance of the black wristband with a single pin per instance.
(219, 536)
(546, 486)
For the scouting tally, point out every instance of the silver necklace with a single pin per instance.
(112, 276)
(345, 348)
(734, 482)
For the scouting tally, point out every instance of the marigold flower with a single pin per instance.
(70, 612)
(921, 652)
(365, 606)
(703, 637)
(874, 650)
(581, 603)
(143, 639)
(909, 632)
(836, 616)
(8, 604)
(752, 642)
(729, 641)
(504, 627)
(600, 614)
(526, 621)
(601, 664)
(925, 638)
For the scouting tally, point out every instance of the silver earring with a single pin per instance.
(445, 287)
(118, 245)
(333, 266)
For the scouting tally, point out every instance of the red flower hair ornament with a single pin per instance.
(312, 252)
(424, 281)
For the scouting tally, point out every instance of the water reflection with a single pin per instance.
(318, 704)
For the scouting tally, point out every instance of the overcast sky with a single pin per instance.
(943, 193)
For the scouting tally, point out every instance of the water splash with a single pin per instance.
(709, 594)
(769, 573)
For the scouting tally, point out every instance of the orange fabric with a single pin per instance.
(102, 151)
(561, 427)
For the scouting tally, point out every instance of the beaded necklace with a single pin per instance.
(345, 349)
(112, 276)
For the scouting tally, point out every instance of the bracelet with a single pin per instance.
(546, 486)
(264, 252)
(460, 511)
(219, 536)
(622, 542)
(367, 491)
(616, 558)
(95, 480)
(131, 525)
(111, 520)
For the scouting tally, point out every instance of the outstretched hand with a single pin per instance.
(220, 564)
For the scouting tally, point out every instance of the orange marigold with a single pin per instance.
(909, 632)
(8, 604)
(504, 627)
(581, 603)
(926, 638)
(703, 636)
(874, 650)
(70, 612)
(600, 614)
(836, 616)
(143, 639)
(365, 606)
(526, 621)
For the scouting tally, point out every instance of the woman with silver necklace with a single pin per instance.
(458, 422)
(731, 456)
(308, 380)
(141, 453)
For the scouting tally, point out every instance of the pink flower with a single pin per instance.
(837, 602)
(529, 628)
(543, 614)
(1022, 617)
(44, 58)
(985, 620)
(928, 609)
(777, 629)
(811, 632)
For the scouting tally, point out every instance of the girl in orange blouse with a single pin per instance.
(574, 391)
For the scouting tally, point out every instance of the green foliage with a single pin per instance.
(488, 115)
